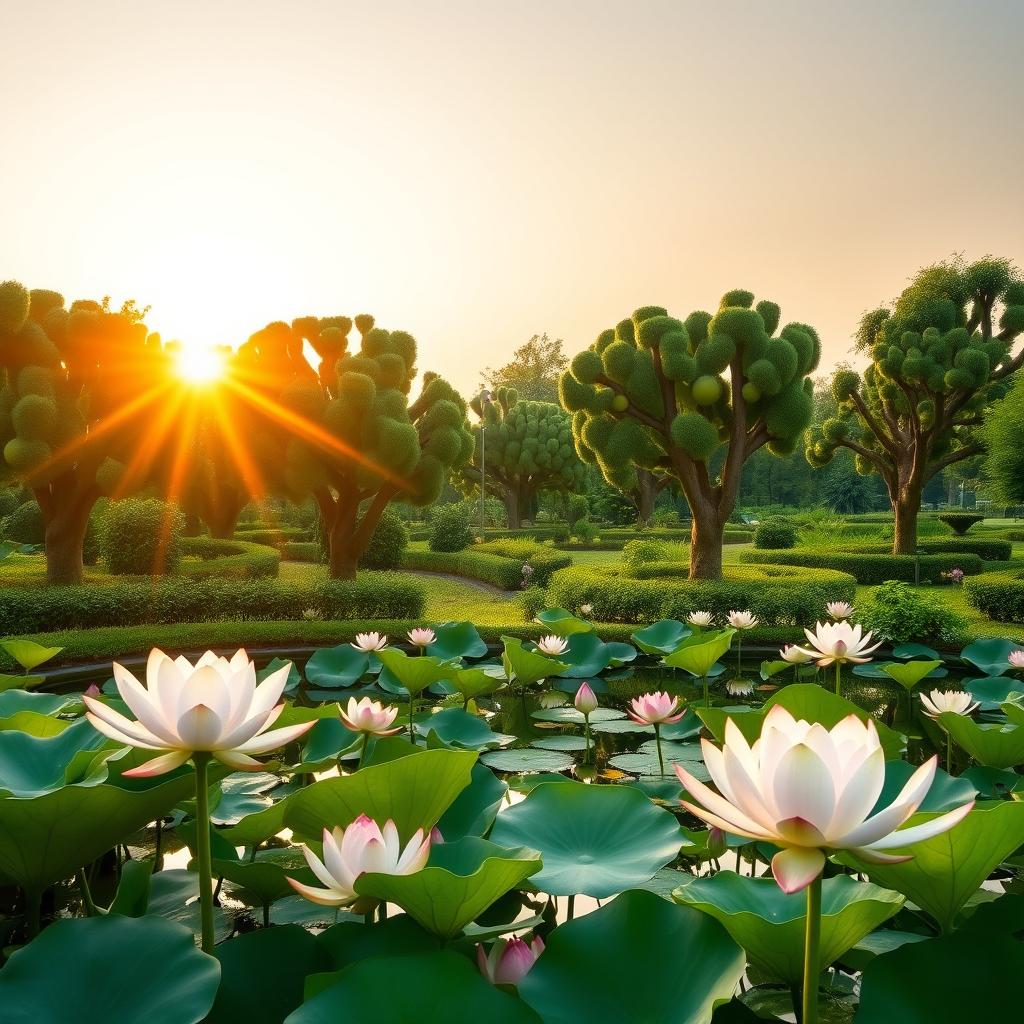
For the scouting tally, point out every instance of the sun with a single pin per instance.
(199, 364)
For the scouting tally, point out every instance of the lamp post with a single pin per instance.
(485, 401)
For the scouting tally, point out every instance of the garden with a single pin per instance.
(328, 695)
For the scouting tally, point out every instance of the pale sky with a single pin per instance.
(479, 172)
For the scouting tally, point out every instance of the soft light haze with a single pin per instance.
(480, 172)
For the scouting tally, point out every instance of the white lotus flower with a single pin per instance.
(214, 706)
(839, 609)
(1016, 658)
(811, 790)
(795, 655)
(700, 619)
(361, 848)
(586, 609)
(421, 636)
(369, 717)
(742, 620)
(552, 646)
(839, 642)
(954, 701)
(369, 642)
(739, 687)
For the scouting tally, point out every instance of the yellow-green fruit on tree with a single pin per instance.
(620, 403)
(707, 390)
(751, 393)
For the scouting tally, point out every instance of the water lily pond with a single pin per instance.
(518, 832)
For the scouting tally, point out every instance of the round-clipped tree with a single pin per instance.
(939, 359)
(661, 394)
(353, 436)
(81, 390)
(528, 447)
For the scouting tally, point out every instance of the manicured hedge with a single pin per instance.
(870, 568)
(991, 549)
(301, 551)
(617, 539)
(1000, 595)
(275, 536)
(228, 559)
(778, 595)
(506, 573)
(372, 595)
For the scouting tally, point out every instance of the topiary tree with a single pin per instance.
(529, 449)
(80, 392)
(1002, 434)
(665, 395)
(352, 437)
(939, 358)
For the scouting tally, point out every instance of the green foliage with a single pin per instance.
(25, 524)
(506, 573)
(1004, 460)
(778, 595)
(141, 537)
(999, 595)
(227, 559)
(775, 532)
(388, 543)
(532, 371)
(532, 600)
(870, 568)
(960, 522)
(450, 527)
(900, 614)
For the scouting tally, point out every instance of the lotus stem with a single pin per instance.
(839, 676)
(739, 655)
(707, 699)
(33, 912)
(158, 845)
(91, 910)
(570, 911)
(362, 750)
(411, 701)
(812, 943)
(201, 760)
(586, 737)
(657, 743)
(949, 754)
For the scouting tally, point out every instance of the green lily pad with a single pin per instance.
(474, 809)
(587, 655)
(412, 673)
(325, 743)
(477, 682)
(414, 791)
(909, 673)
(263, 974)
(460, 881)
(28, 654)
(569, 715)
(457, 640)
(686, 728)
(773, 668)
(597, 840)
(923, 982)
(442, 980)
(698, 653)
(562, 622)
(947, 870)
(527, 759)
(14, 701)
(292, 680)
(623, 726)
(989, 743)
(990, 655)
(528, 667)
(591, 967)
(769, 924)
(9, 682)
(945, 793)
(457, 728)
(645, 760)
(243, 794)
(661, 637)
(265, 879)
(991, 691)
(564, 743)
(335, 667)
(157, 967)
(907, 651)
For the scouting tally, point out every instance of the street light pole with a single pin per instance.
(485, 400)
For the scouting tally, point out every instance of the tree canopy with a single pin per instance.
(1003, 437)
(533, 370)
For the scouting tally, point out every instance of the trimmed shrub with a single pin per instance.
(520, 548)
(25, 524)
(228, 559)
(532, 600)
(899, 614)
(775, 533)
(388, 543)
(999, 595)
(141, 537)
(10, 499)
(506, 573)
(449, 528)
(302, 551)
(577, 508)
(991, 549)
(134, 602)
(584, 530)
(275, 536)
(960, 522)
(778, 595)
(870, 568)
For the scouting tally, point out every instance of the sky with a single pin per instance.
(479, 172)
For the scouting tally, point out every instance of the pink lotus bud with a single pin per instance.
(509, 960)
(717, 844)
(92, 691)
(585, 701)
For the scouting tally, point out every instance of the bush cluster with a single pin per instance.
(228, 559)
(450, 528)
(141, 537)
(870, 568)
(275, 536)
(25, 524)
(388, 543)
(778, 595)
(999, 595)
(506, 573)
(135, 602)
(960, 522)
(302, 551)
(775, 533)
(991, 549)
(900, 614)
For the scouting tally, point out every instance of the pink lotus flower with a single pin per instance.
(655, 709)
(509, 960)
(811, 790)
(369, 642)
(585, 700)
(954, 701)
(1016, 658)
(421, 636)
(361, 848)
(552, 646)
(839, 609)
(369, 717)
(742, 620)
(92, 690)
(214, 706)
(838, 642)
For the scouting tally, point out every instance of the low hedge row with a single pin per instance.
(506, 573)
(616, 540)
(228, 559)
(870, 568)
(301, 551)
(778, 595)
(991, 549)
(999, 595)
(134, 602)
(275, 536)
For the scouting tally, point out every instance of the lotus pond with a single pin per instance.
(677, 829)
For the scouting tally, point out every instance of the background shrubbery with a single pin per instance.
(141, 537)
(776, 532)
(388, 543)
(899, 614)
(450, 528)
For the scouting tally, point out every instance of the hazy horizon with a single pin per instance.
(477, 174)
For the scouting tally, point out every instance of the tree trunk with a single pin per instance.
(646, 496)
(706, 538)
(64, 541)
(512, 510)
(905, 512)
